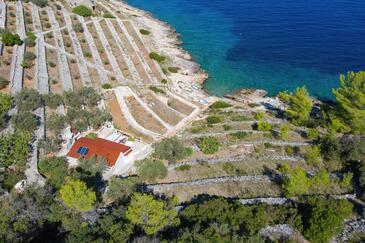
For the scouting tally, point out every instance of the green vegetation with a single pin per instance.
(157, 90)
(351, 101)
(78, 28)
(55, 169)
(91, 135)
(263, 126)
(3, 83)
(10, 39)
(173, 69)
(172, 150)
(258, 115)
(121, 188)
(157, 57)
(220, 105)
(300, 105)
(109, 15)
(76, 195)
(30, 40)
(313, 155)
(284, 132)
(150, 214)
(208, 145)
(312, 133)
(239, 135)
(40, 3)
(82, 10)
(150, 170)
(183, 168)
(106, 86)
(214, 119)
(28, 59)
(144, 32)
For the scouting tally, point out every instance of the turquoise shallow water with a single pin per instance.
(272, 45)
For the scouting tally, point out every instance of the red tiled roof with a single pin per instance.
(99, 147)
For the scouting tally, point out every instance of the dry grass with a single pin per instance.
(144, 118)
(137, 64)
(119, 120)
(53, 71)
(179, 106)
(229, 189)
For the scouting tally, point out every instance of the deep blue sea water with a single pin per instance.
(269, 44)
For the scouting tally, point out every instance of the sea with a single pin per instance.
(274, 45)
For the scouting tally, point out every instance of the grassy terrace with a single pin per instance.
(116, 52)
(136, 61)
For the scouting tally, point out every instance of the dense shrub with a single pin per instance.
(55, 169)
(214, 119)
(53, 100)
(263, 126)
(24, 121)
(150, 170)
(284, 131)
(173, 69)
(82, 11)
(208, 145)
(239, 135)
(106, 86)
(220, 105)
(258, 115)
(40, 3)
(171, 149)
(109, 15)
(3, 82)
(157, 90)
(30, 40)
(155, 56)
(10, 39)
(313, 155)
(312, 133)
(78, 28)
(144, 32)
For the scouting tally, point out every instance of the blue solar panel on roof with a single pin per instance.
(83, 150)
(79, 150)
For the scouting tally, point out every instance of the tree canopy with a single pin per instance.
(152, 215)
(351, 99)
(171, 149)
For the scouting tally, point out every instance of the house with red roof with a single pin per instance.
(87, 147)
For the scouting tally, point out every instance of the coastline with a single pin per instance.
(164, 39)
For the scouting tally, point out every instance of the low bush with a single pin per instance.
(239, 135)
(227, 127)
(106, 86)
(164, 81)
(214, 119)
(144, 32)
(208, 145)
(82, 10)
(30, 41)
(150, 170)
(158, 58)
(10, 39)
(172, 149)
(52, 64)
(238, 118)
(173, 69)
(220, 105)
(40, 3)
(3, 82)
(258, 115)
(157, 90)
(108, 15)
(263, 126)
(312, 133)
(78, 28)
(183, 168)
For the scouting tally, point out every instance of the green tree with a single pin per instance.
(284, 131)
(300, 105)
(5, 103)
(10, 39)
(150, 170)
(76, 195)
(295, 181)
(25, 121)
(82, 10)
(351, 99)
(313, 155)
(325, 219)
(119, 189)
(263, 126)
(55, 169)
(30, 40)
(171, 149)
(152, 215)
(208, 145)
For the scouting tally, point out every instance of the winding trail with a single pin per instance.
(16, 70)
(103, 77)
(41, 71)
(84, 73)
(64, 70)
